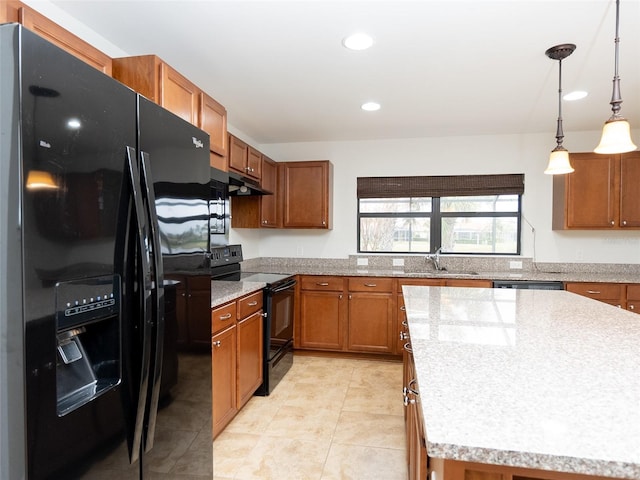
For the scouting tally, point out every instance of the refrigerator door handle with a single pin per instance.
(135, 441)
(158, 299)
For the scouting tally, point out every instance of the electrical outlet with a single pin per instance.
(398, 262)
(363, 262)
(515, 264)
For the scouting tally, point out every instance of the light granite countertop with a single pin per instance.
(528, 378)
(223, 291)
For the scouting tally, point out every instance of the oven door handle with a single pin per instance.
(285, 286)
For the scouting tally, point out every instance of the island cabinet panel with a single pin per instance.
(223, 357)
(460, 470)
(14, 11)
(468, 282)
(417, 461)
(600, 194)
(307, 189)
(611, 293)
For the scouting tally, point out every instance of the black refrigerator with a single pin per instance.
(102, 193)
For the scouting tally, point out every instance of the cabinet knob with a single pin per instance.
(404, 336)
(632, 307)
(612, 222)
(324, 222)
(217, 344)
(340, 297)
(624, 222)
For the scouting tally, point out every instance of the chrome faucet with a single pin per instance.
(435, 258)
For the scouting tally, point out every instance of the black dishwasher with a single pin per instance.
(529, 284)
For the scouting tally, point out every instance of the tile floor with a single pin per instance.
(329, 419)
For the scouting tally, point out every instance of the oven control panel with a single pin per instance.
(225, 255)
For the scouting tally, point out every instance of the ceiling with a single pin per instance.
(438, 67)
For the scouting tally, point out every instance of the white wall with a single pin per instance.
(526, 154)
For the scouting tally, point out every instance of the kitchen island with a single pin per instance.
(525, 384)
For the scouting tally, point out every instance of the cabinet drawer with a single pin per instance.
(370, 284)
(598, 291)
(633, 292)
(249, 304)
(421, 282)
(313, 282)
(223, 317)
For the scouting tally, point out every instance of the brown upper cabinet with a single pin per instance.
(307, 189)
(601, 194)
(150, 76)
(259, 211)
(13, 11)
(244, 159)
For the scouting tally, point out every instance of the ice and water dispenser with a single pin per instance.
(88, 359)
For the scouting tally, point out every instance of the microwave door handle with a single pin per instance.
(158, 298)
(145, 291)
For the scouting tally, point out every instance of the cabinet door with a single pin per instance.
(629, 195)
(179, 95)
(238, 151)
(590, 191)
(321, 320)
(57, 35)
(213, 120)
(307, 193)
(223, 355)
(269, 203)
(249, 357)
(371, 327)
(254, 164)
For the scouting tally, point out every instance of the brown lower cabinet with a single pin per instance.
(236, 353)
(323, 314)
(612, 293)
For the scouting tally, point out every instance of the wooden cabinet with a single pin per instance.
(223, 357)
(402, 328)
(13, 11)
(601, 194)
(468, 282)
(213, 120)
(633, 298)
(237, 356)
(417, 461)
(162, 84)
(307, 194)
(193, 307)
(611, 293)
(323, 313)
(244, 159)
(259, 211)
(371, 321)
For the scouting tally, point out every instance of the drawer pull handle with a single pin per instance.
(404, 323)
(252, 304)
(370, 285)
(407, 347)
(322, 284)
(403, 308)
(593, 292)
(225, 317)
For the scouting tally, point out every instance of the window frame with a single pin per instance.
(436, 216)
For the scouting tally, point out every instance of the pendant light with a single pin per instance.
(559, 158)
(616, 133)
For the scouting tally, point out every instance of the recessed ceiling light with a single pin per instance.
(358, 41)
(577, 95)
(370, 106)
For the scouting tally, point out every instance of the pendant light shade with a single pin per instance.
(559, 158)
(616, 133)
(559, 162)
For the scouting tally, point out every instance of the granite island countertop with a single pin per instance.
(527, 378)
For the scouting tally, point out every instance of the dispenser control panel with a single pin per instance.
(87, 300)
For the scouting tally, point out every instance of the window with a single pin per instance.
(471, 214)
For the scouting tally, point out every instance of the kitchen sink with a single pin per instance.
(455, 273)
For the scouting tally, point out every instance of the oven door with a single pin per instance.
(280, 303)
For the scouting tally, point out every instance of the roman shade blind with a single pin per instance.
(440, 186)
